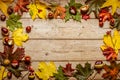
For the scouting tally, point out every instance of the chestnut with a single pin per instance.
(73, 10)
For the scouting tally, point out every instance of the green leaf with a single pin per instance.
(78, 17)
(60, 75)
(72, 2)
(82, 73)
(16, 72)
(78, 5)
(13, 22)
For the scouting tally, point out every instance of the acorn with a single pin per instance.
(73, 10)
(31, 76)
(28, 29)
(4, 31)
(98, 65)
(6, 62)
(9, 75)
(10, 10)
(50, 15)
(27, 60)
(2, 17)
(84, 9)
(15, 64)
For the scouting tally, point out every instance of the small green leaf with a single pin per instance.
(13, 22)
(60, 75)
(82, 73)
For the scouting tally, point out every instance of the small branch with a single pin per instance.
(24, 75)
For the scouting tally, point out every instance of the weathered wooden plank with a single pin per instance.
(64, 50)
(58, 29)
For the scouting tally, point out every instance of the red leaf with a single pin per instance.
(21, 6)
(68, 71)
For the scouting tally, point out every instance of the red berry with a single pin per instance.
(2, 17)
(101, 24)
(73, 10)
(50, 16)
(100, 19)
(15, 64)
(28, 29)
(27, 60)
(30, 69)
(9, 75)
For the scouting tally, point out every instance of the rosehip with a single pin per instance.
(2, 17)
(101, 24)
(112, 22)
(28, 29)
(15, 64)
(50, 16)
(73, 10)
(9, 75)
(27, 60)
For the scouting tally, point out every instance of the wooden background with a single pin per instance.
(55, 40)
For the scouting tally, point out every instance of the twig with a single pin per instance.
(24, 75)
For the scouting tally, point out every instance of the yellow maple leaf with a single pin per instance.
(46, 70)
(4, 5)
(3, 73)
(37, 9)
(19, 37)
(112, 41)
(112, 3)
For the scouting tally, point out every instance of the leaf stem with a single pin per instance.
(24, 76)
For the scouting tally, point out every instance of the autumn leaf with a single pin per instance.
(82, 73)
(19, 37)
(13, 22)
(38, 9)
(68, 71)
(4, 5)
(46, 70)
(112, 41)
(60, 74)
(59, 11)
(72, 11)
(111, 71)
(3, 73)
(94, 6)
(21, 6)
(112, 3)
